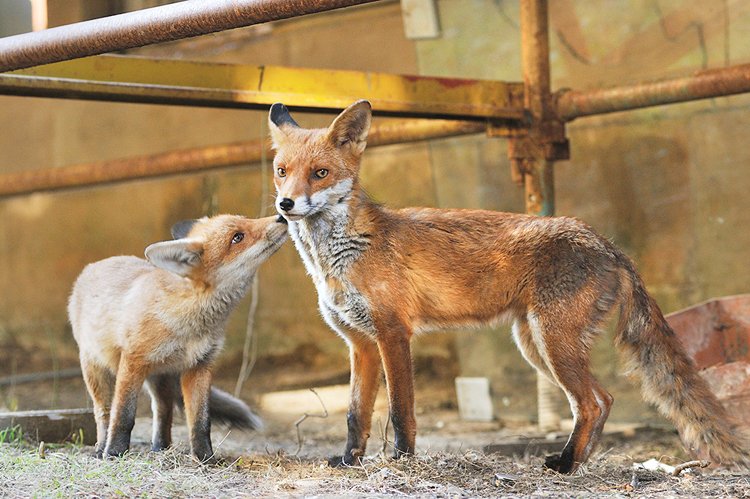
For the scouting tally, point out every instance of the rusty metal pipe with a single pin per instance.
(537, 171)
(731, 80)
(418, 130)
(539, 181)
(139, 167)
(535, 58)
(205, 158)
(155, 25)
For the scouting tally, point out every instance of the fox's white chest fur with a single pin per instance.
(328, 249)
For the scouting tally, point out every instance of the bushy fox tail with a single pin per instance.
(228, 410)
(232, 411)
(669, 379)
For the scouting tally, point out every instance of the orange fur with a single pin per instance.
(155, 321)
(383, 275)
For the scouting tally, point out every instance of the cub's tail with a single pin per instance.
(670, 381)
(232, 411)
(225, 409)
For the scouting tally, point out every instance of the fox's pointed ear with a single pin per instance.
(179, 257)
(182, 229)
(350, 128)
(278, 120)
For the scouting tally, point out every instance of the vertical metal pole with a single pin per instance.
(539, 181)
(537, 169)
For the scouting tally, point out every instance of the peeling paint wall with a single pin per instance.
(667, 184)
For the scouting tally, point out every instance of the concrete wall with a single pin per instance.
(15, 18)
(46, 239)
(666, 184)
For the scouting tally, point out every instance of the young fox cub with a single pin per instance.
(383, 275)
(162, 321)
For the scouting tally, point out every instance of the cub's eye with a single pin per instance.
(322, 173)
(238, 236)
(281, 172)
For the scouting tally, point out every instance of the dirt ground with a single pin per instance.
(451, 462)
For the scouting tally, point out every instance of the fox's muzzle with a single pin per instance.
(286, 204)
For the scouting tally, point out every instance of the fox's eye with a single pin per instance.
(238, 236)
(322, 173)
(281, 172)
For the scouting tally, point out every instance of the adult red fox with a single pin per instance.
(383, 275)
(162, 321)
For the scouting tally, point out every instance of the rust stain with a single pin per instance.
(445, 82)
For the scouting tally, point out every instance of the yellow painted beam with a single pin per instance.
(167, 81)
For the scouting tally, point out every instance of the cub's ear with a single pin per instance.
(350, 128)
(179, 257)
(182, 229)
(278, 121)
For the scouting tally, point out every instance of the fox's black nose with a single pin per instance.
(286, 204)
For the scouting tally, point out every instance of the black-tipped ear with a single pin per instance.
(182, 229)
(350, 128)
(279, 116)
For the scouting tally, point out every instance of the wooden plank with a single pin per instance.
(54, 426)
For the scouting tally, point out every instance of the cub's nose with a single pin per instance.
(286, 204)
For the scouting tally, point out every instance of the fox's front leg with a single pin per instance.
(130, 376)
(365, 371)
(100, 383)
(395, 350)
(196, 386)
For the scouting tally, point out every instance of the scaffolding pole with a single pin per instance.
(205, 158)
(147, 26)
(706, 84)
(533, 164)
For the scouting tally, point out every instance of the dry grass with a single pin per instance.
(71, 471)
(449, 464)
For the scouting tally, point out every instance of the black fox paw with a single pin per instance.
(398, 454)
(211, 460)
(343, 461)
(556, 462)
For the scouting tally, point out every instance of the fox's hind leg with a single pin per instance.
(196, 386)
(525, 343)
(163, 390)
(568, 361)
(100, 384)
